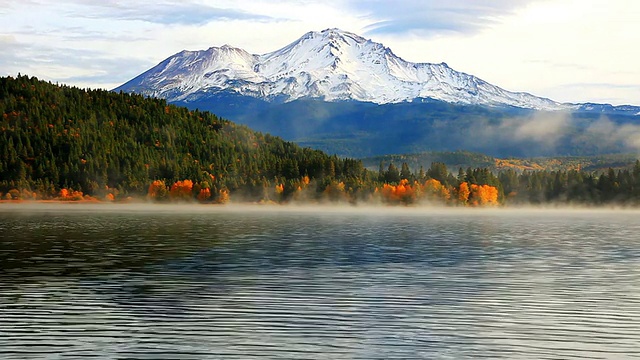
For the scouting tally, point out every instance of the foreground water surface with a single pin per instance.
(196, 282)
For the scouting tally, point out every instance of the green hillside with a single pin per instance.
(100, 142)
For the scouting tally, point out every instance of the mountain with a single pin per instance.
(341, 93)
(331, 65)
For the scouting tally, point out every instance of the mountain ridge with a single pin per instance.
(331, 65)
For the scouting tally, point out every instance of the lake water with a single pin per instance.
(197, 282)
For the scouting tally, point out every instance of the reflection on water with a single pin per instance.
(176, 283)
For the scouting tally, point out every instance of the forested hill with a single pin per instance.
(64, 143)
(103, 143)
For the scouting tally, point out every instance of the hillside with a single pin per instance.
(465, 159)
(100, 143)
(360, 129)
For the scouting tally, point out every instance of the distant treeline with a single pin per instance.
(60, 142)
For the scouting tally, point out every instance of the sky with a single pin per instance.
(566, 50)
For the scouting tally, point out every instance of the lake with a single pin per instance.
(213, 282)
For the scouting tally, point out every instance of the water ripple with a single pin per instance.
(286, 286)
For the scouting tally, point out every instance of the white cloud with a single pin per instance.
(547, 46)
(567, 50)
(433, 17)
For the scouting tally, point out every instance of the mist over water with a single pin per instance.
(207, 282)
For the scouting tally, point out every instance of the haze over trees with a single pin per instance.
(59, 142)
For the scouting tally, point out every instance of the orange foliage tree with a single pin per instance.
(463, 193)
(403, 192)
(204, 194)
(181, 190)
(483, 195)
(388, 193)
(70, 195)
(434, 191)
(157, 190)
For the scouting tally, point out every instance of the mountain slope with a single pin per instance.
(331, 65)
(362, 129)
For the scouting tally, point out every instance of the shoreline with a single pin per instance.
(142, 206)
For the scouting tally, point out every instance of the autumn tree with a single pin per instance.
(181, 190)
(402, 193)
(483, 195)
(204, 194)
(223, 196)
(434, 190)
(335, 191)
(463, 193)
(158, 191)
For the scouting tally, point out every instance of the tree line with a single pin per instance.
(66, 143)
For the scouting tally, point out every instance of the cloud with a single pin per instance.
(610, 134)
(542, 47)
(536, 134)
(7, 5)
(162, 12)
(79, 67)
(543, 128)
(433, 17)
(551, 133)
(539, 47)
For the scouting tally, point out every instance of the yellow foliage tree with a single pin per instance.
(483, 195)
(335, 191)
(463, 193)
(157, 190)
(435, 191)
(223, 196)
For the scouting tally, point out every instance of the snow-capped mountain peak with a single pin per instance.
(332, 65)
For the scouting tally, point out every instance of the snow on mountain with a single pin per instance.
(332, 65)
